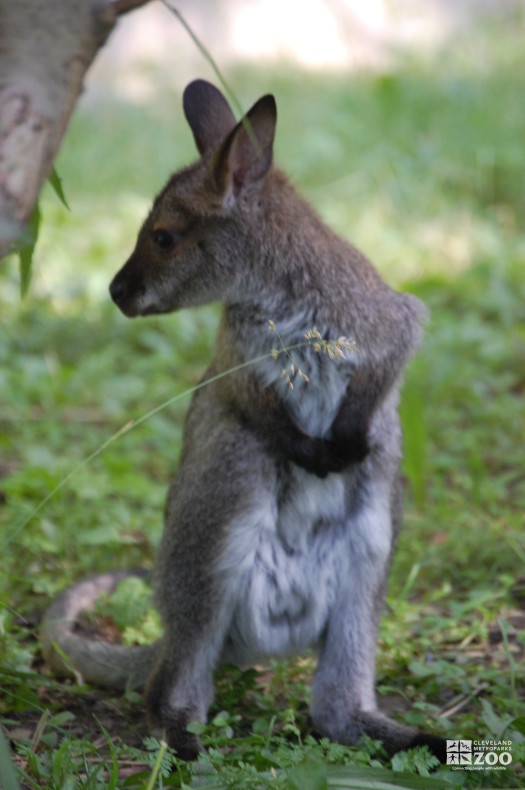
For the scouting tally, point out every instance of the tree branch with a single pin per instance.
(123, 6)
(46, 47)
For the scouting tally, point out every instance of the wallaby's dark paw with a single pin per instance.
(335, 455)
(172, 726)
(437, 745)
(168, 722)
(324, 456)
(185, 744)
(349, 449)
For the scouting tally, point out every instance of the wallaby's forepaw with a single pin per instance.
(349, 449)
(324, 456)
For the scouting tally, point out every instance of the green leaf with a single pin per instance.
(65, 717)
(56, 183)
(518, 724)
(129, 603)
(160, 766)
(8, 777)
(101, 536)
(221, 719)
(419, 760)
(496, 724)
(25, 248)
(367, 778)
(307, 776)
(196, 727)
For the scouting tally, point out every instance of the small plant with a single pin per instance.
(335, 349)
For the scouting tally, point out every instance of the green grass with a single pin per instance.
(422, 167)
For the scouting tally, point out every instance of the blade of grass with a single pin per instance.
(232, 98)
(8, 776)
(158, 764)
(113, 779)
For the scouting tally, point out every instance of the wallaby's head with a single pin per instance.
(202, 226)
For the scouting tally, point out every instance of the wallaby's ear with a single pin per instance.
(208, 114)
(246, 154)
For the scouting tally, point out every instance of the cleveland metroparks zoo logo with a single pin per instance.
(465, 755)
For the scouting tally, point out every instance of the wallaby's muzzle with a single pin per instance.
(127, 289)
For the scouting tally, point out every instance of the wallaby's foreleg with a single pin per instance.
(271, 420)
(348, 443)
(264, 413)
(350, 434)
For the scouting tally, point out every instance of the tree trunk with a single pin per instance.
(46, 47)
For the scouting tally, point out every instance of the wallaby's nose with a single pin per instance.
(117, 290)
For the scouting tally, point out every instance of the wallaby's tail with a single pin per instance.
(71, 654)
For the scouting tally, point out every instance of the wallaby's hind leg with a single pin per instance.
(344, 683)
(344, 705)
(178, 694)
(195, 612)
(196, 583)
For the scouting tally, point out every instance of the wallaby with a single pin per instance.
(283, 515)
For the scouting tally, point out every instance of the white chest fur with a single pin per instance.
(314, 398)
(286, 562)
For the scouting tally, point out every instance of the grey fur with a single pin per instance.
(282, 518)
(117, 668)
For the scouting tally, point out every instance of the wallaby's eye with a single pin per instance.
(164, 239)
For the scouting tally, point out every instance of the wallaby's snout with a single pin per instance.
(117, 290)
(127, 289)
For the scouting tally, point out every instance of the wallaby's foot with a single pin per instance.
(175, 731)
(186, 745)
(170, 722)
(396, 737)
(172, 726)
(437, 745)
